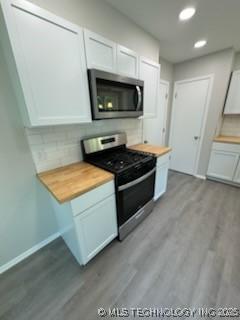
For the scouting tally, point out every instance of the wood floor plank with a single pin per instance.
(185, 254)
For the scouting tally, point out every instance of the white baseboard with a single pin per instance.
(29, 252)
(200, 177)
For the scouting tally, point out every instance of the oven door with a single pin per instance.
(114, 96)
(135, 195)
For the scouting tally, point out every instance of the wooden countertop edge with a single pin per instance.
(227, 139)
(156, 154)
(108, 178)
(164, 152)
(75, 194)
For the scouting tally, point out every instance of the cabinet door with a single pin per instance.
(150, 74)
(50, 60)
(127, 62)
(96, 227)
(237, 174)
(222, 164)
(233, 99)
(161, 180)
(101, 53)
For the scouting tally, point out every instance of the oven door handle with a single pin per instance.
(139, 93)
(134, 182)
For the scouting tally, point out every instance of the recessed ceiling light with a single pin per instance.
(187, 13)
(200, 44)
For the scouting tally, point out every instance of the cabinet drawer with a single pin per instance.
(163, 159)
(92, 197)
(229, 147)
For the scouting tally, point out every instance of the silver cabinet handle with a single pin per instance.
(139, 93)
(134, 182)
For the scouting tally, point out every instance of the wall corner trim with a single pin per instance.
(28, 253)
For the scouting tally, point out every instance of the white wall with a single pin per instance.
(236, 65)
(231, 123)
(219, 64)
(100, 17)
(25, 212)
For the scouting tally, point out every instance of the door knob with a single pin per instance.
(196, 137)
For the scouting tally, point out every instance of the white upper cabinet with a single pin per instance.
(233, 98)
(101, 53)
(150, 74)
(127, 62)
(50, 61)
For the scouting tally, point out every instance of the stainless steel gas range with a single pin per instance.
(134, 177)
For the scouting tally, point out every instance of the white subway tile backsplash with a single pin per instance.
(231, 126)
(56, 146)
(35, 139)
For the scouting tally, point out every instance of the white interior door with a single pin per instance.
(154, 130)
(163, 105)
(188, 117)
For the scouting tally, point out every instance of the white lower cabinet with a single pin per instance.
(95, 225)
(224, 162)
(161, 176)
(237, 174)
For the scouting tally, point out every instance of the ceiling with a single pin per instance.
(216, 20)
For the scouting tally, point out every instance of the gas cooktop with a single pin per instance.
(118, 160)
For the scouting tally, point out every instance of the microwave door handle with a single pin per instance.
(139, 93)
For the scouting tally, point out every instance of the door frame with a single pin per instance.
(167, 83)
(205, 113)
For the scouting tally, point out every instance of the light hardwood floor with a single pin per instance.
(186, 253)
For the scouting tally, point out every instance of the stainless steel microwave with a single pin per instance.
(115, 96)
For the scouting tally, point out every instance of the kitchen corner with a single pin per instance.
(224, 165)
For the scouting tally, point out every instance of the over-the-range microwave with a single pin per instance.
(114, 96)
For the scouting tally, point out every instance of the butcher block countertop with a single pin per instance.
(71, 181)
(227, 139)
(155, 150)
